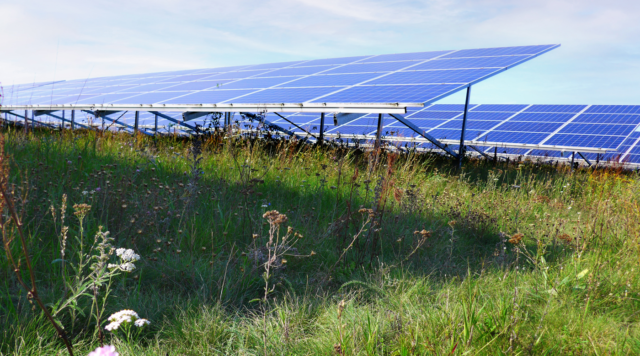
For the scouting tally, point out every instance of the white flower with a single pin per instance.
(120, 251)
(104, 351)
(111, 265)
(142, 322)
(84, 192)
(112, 326)
(265, 205)
(129, 256)
(123, 313)
(127, 267)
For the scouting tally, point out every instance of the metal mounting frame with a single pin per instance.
(429, 138)
(294, 124)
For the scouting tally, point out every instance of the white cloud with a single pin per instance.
(45, 40)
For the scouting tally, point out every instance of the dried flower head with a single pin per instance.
(516, 238)
(452, 223)
(81, 210)
(274, 217)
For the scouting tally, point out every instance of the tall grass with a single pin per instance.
(385, 254)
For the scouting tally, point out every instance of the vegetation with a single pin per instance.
(279, 248)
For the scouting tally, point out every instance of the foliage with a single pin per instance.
(379, 253)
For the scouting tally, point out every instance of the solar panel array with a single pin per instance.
(410, 79)
(615, 128)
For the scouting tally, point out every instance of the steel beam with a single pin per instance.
(277, 127)
(464, 126)
(585, 159)
(430, 138)
(63, 119)
(73, 119)
(190, 115)
(321, 135)
(378, 132)
(479, 151)
(294, 124)
(169, 118)
(136, 122)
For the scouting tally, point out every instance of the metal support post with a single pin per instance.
(135, 123)
(62, 123)
(378, 131)
(573, 158)
(73, 119)
(495, 155)
(26, 121)
(155, 127)
(464, 126)
(321, 135)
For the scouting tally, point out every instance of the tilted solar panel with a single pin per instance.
(366, 84)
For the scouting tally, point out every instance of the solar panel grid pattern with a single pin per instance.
(397, 78)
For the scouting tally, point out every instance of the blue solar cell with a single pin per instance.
(207, 96)
(445, 134)
(257, 83)
(471, 124)
(528, 126)
(513, 137)
(591, 141)
(613, 109)
(434, 76)
(237, 75)
(351, 130)
(493, 116)
(372, 121)
(370, 67)
(422, 123)
(297, 95)
(109, 98)
(509, 151)
(149, 80)
(400, 132)
(608, 119)
(147, 88)
(298, 71)
(388, 94)
(597, 129)
(505, 108)
(542, 117)
(504, 51)
(151, 98)
(449, 107)
(329, 80)
(200, 85)
(330, 61)
(419, 56)
(485, 62)
(434, 115)
(185, 78)
(556, 108)
(221, 69)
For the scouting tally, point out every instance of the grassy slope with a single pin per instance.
(570, 286)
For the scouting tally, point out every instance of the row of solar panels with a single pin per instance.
(413, 78)
(515, 129)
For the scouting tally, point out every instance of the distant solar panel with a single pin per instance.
(366, 84)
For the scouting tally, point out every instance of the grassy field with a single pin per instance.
(368, 254)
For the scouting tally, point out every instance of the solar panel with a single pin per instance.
(379, 83)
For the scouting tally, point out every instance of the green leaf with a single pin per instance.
(582, 274)
(57, 261)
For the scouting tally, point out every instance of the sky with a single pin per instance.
(598, 61)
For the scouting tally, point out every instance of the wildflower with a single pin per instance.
(452, 223)
(127, 267)
(84, 192)
(141, 322)
(265, 205)
(128, 256)
(120, 251)
(107, 350)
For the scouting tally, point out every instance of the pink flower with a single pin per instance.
(105, 351)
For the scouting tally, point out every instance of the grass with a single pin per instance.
(386, 254)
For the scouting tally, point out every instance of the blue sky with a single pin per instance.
(598, 62)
